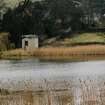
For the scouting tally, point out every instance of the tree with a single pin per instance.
(24, 19)
(15, 22)
(2, 8)
(62, 15)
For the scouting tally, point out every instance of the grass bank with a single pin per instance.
(77, 39)
(72, 53)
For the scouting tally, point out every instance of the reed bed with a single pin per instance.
(88, 92)
(77, 52)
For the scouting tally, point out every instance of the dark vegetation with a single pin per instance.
(52, 18)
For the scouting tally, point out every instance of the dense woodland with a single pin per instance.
(50, 18)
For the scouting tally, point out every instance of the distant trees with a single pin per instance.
(93, 10)
(62, 16)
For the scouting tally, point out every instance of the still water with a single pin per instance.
(34, 70)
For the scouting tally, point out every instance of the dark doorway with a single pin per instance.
(26, 43)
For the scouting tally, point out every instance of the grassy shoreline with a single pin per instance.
(86, 52)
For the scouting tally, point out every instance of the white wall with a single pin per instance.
(32, 43)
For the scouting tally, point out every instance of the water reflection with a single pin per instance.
(36, 70)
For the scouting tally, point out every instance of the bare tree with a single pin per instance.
(24, 4)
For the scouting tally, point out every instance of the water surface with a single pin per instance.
(14, 71)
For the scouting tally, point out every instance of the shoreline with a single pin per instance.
(75, 53)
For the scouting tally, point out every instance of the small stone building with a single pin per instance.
(30, 41)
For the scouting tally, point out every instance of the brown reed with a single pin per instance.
(77, 52)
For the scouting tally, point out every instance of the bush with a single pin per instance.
(12, 46)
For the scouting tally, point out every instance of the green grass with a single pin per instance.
(78, 39)
(86, 38)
